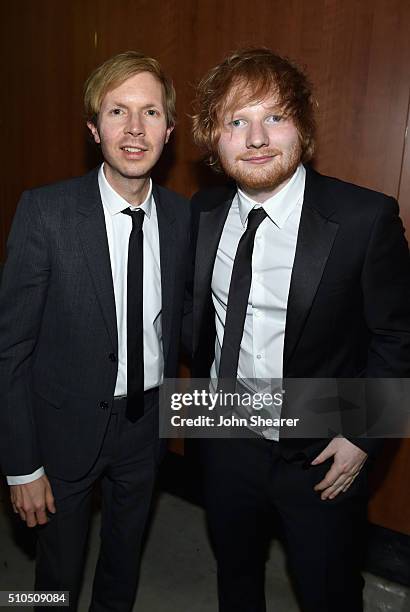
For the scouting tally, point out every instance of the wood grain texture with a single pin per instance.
(404, 184)
(356, 53)
(389, 487)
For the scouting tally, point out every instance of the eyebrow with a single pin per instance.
(122, 105)
(118, 104)
(277, 110)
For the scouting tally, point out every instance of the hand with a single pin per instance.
(348, 461)
(31, 501)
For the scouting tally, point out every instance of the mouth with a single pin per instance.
(258, 159)
(134, 151)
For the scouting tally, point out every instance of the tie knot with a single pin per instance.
(255, 218)
(137, 217)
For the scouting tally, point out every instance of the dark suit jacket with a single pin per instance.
(348, 310)
(58, 334)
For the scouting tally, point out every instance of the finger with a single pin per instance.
(336, 472)
(41, 517)
(347, 486)
(15, 509)
(341, 485)
(21, 513)
(330, 478)
(335, 493)
(323, 456)
(350, 481)
(50, 503)
(329, 493)
(337, 488)
(31, 519)
(15, 500)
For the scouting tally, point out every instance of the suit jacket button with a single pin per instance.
(112, 357)
(104, 405)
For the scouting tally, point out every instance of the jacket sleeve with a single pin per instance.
(386, 295)
(386, 302)
(22, 297)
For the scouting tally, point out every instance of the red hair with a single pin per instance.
(249, 76)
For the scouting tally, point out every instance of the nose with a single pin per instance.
(257, 135)
(134, 125)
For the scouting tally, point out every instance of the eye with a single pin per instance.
(116, 111)
(237, 122)
(274, 118)
(152, 112)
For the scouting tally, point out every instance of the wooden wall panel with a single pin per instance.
(44, 53)
(356, 53)
(404, 185)
(389, 487)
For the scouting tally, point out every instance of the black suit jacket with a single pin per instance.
(58, 333)
(348, 310)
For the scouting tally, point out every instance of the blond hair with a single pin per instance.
(118, 69)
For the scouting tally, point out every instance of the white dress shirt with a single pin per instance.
(261, 350)
(118, 227)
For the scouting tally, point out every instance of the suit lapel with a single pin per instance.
(316, 236)
(167, 247)
(93, 237)
(315, 240)
(211, 224)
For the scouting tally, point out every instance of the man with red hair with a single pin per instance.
(298, 275)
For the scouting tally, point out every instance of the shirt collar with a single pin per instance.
(114, 203)
(281, 204)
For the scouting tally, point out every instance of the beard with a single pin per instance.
(264, 177)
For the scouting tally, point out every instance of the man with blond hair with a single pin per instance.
(300, 276)
(90, 315)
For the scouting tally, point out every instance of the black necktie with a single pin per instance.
(238, 300)
(135, 326)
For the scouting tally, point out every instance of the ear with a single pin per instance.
(168, 133)
(94, 131)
